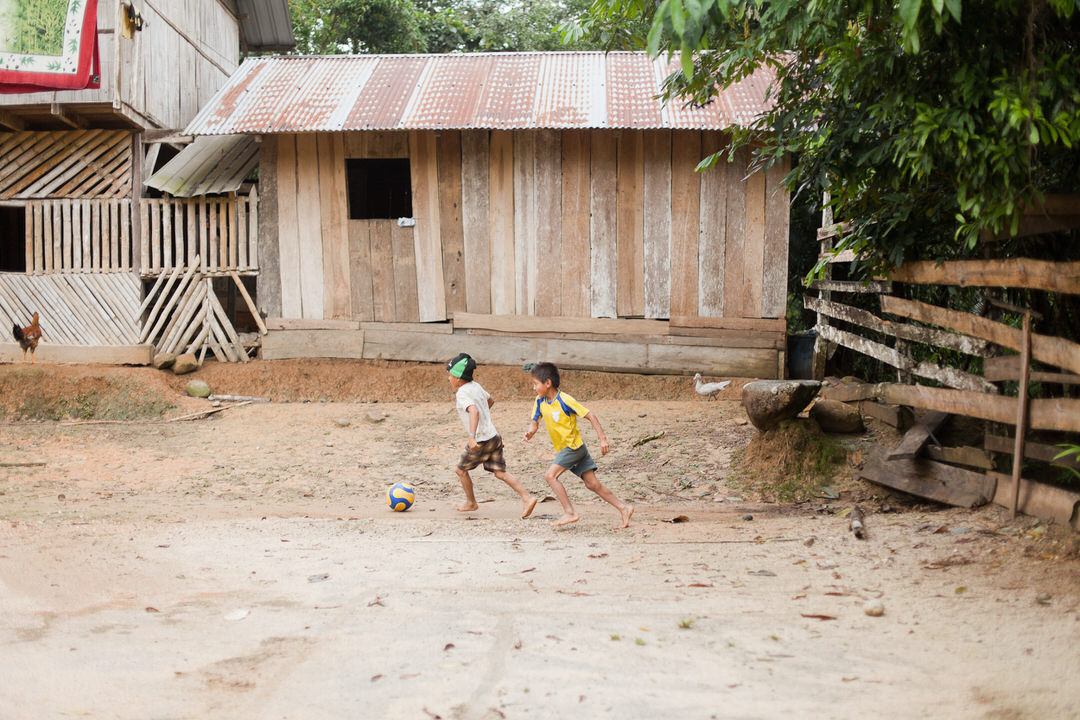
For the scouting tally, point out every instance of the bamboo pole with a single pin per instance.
(155, 320)
(250, 303)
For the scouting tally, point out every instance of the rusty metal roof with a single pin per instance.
(265, 25)
(298, 94)
(208, 165)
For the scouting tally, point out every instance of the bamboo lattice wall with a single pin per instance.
(221, 231)
(73, 164)
(84, 236)
(75, 309)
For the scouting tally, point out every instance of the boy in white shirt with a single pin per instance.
(485, 445)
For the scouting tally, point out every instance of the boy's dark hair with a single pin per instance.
(546, 371)
(461, 366)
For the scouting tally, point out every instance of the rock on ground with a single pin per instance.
(769, 402)
(837, 417)
(185, 363)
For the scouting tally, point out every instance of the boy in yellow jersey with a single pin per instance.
(560, 413)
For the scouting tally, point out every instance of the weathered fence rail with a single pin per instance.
(955, 390)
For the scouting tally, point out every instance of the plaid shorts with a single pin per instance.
(488, 452)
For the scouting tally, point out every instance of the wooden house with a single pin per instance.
(517, 206)
(74, 219)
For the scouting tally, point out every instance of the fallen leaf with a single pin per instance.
(376, 677)
(376, 601)
(818, 617)
(601, 555)
(762, 573)
(700, 585)
(152, 609)
(678, 519)
(529, 570)
(448, 646)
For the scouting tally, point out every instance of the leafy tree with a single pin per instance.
(325, 27)
(408, 26)
(928, 121)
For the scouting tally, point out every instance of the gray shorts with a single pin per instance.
(577, 461)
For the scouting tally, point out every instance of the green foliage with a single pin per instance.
(1072, 451)
(438, 26)
(327, 27)
(927, 122)
(35, 27)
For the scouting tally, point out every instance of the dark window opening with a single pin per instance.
(379, 188)
(13, 239)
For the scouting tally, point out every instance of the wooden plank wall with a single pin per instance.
(583, 223)
(194, 42)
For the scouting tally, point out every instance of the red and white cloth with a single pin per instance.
(73, 66)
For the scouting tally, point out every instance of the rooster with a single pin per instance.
(28, 337)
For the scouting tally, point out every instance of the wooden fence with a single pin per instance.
(959, 391)
(223, 232)
(78, 235)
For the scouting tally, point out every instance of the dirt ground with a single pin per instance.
(245, 565)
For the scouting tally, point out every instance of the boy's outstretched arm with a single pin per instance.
(533, 426)
(474, 422)
(604, 446)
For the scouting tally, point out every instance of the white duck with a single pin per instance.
(709, 388)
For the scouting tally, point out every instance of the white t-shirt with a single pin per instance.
(475, 395)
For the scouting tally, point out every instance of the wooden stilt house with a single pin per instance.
(78, 236)
(517, 206)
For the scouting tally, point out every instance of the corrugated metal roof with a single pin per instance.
(292, 94)
(208, 165)
(265, 25)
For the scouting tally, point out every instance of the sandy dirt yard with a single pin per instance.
(245, 565)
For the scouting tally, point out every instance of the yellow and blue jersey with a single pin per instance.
(560, 416)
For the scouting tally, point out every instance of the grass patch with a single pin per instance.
(31, 395)
(791, 462)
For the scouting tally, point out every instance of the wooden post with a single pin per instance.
(1021, 412)
(820, 344)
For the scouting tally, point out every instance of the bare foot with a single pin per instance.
(466, 507)
(565, 520)
(528, 508)
(627, 512)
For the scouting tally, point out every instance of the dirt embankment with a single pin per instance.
(53, 392)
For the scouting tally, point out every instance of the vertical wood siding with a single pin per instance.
(582, 223)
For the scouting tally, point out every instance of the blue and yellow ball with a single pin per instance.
(400, 497)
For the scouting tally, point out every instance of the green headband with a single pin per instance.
(458, 368)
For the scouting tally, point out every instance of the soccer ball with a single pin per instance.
(400, 497)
